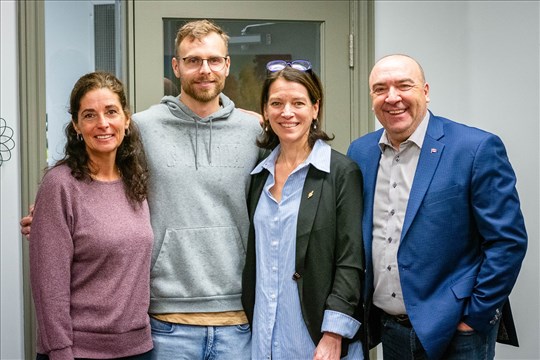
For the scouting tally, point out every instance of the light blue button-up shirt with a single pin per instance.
(279, 331)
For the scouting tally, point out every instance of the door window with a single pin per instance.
(252, 43)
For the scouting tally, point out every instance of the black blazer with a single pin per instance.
(329, 250)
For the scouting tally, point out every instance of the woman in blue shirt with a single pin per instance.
(304, 265)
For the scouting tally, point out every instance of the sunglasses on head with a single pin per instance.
(278, 65)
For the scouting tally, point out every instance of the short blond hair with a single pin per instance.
(197, 30)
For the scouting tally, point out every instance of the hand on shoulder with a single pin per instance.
(256, 114)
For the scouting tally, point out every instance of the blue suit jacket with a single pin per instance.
(463, 237)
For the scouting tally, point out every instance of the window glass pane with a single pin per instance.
(87, 40)
(252, 44)
(105, 37)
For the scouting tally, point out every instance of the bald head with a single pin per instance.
(402, 58)
(399, 95)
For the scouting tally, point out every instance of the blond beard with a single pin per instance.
(205, 95)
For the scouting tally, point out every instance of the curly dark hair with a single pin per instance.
(130, 155)
(268, 139)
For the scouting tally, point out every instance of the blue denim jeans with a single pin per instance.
(189, 342)
(402, 343)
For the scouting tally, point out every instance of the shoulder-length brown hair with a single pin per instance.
(130, 156)
(268, 139)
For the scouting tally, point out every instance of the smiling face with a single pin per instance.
(102, 123)
(290, 112)
(399, 96)
(201, 85)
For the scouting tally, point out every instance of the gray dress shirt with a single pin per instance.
(395, 177)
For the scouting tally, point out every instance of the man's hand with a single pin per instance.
(329, 347)
(464, 327)
(27, 221)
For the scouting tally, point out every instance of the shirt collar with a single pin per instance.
(319, 157)
(417, 137)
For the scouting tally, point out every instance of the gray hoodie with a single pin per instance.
(199, 179)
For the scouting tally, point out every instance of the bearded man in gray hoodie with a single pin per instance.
(201, 150)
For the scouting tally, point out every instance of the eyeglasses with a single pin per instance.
(216, 63)
(278, 65)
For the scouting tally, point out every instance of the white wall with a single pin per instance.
(481, 59)
(11, 297)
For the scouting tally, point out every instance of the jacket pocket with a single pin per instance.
(437, 196)
(463, 288)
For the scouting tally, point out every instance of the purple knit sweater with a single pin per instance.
(90, 256)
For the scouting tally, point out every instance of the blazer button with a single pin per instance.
(296, 276)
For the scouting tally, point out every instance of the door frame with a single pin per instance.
(361, 59)
(33, 142)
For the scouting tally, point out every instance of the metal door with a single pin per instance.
(318, 31)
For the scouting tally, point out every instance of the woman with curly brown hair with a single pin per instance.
(91, 238)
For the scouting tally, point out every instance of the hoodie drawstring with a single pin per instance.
(210, 144)
(196, 145)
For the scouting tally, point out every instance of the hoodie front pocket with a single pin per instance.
(199, 263)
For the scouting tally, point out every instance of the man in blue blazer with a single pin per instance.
(443, 231)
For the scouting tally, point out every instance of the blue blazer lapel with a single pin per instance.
(370, 180)
(427, 164)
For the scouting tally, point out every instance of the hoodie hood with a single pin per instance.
(184, 113)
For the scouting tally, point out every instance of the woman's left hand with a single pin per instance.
(329, 347)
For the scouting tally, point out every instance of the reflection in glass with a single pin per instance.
(252, 44)
(86, 40)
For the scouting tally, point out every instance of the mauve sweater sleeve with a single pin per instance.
(51, 254)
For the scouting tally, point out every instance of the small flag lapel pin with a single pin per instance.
(433, 150)
(310, 194)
